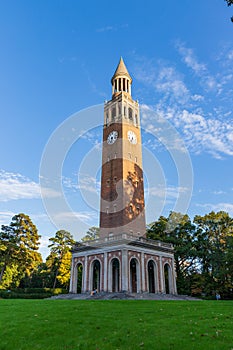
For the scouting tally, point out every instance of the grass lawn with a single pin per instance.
(117, 324)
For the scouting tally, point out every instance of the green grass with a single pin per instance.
(118, 324)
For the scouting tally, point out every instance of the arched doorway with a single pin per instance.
(79, 277)
(96, 275)
(151, 277)
(133, 275)
(115, 275)
(167, 278)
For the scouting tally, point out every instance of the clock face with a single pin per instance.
(132, 137)
(112, 137)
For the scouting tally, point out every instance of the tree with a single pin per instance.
(91, 234)
(229, 3)
(60, 247)
(64, 269)
(19, 246)
(178, 230)
(214, 239)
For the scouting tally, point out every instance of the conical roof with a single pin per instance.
(121, 70)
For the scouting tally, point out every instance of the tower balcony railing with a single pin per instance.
(123, 238)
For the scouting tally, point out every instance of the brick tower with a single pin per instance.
(122, 189)
(122, 259)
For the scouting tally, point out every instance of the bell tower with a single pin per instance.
(122, 188)
(122, 259)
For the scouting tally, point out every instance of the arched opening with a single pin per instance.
(151, 277)
(133, 276)
(167, 278)
(96, 275)
(115, 275)
(79, 277)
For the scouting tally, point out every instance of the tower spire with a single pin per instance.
(121, 80)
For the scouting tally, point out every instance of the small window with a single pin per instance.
(108, 183)
(136, 159)
(131, 209)
(115, 180)
(130, 156)
(114, 112)
(130, 114)
(114, 208)
(107, 210)
(124, 110)
(107, 119)
(115, 155)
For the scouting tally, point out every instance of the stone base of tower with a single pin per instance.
(123, 263)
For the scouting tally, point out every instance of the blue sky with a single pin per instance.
(57, 59)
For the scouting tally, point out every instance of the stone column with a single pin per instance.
(124, 272)
(161, 275)
(143, 272)
(105, 272)
(174, 277)
(71, 289)
(85, 288)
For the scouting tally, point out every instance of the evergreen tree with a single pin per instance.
(91, 234)
(60, 247)
(19, 247)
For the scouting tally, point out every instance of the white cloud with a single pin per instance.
(164, 78)
(85, 216)
(202, 134)
(157, 121)
(84, 182)
(5, 217)
(111, 28)
(190, 59)
(211, 82)
(230, 55)
(197, 97)
(219, 192)
(171, 192)
(15, 186)
(199, 133)
(227, 207)
(169, 82)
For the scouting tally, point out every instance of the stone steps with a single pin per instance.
(123, 296)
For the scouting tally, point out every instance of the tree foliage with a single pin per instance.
(203, 251)
(214, 233)
(91, 234)
(18, 248)
(59, 259)
(178, 230)
(229, 3)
